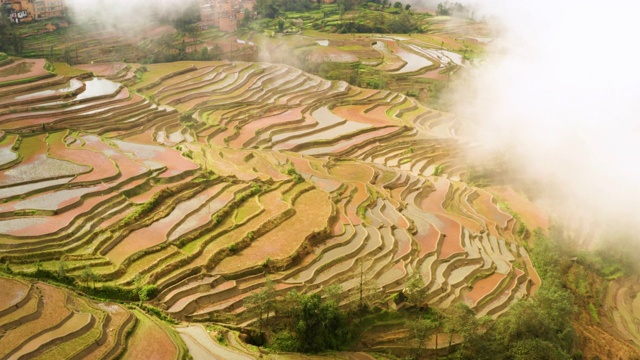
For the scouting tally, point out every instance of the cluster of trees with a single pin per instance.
(171, 51)
(182, 46)
(377, 22)
(10, 41)
(188, 19)
(347, 5)
(453, 9)
(388, 18)
(305, 322)
(309, 323)
(272, 8)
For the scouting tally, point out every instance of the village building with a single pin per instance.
(20, 11)
(45, 9)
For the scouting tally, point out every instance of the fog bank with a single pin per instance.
(560, 94)
(125, 13)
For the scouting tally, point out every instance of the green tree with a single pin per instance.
(261, 303)
(10, 40)
(267, 8)
(321, 326)
(204, 54)
(188, 17)
(247, 18)
(416, 291)
(443, 9)
(422, 330)
(403, 23)
(67, 57)
(88, 275)
(62, 269)
(193, 32)
(333, 294)
(460, 320)
(538, 326)
(310, 324)
(146, 292)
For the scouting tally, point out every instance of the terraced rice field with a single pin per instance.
(203, 177)
(623, 308)
(40, 321)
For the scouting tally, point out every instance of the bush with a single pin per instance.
(112, 292)
(147, 292)
(438, 170)
(285, 341)
(312, 325)
(158, 313)
(291, 171)
(594, 313)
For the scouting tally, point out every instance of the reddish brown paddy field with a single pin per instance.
(433, 74)
(54, 311)
(249, 131)
(102, 166)
(265, 168)
(303, 166)
(173, 159)
(313, 209)
(156, 233)
(451, 228)
(12, 292)
(380, 112)
(150, 341)
(376, 117)
(358, 174)
(352, 142)
(484, 205)
(391, 62)
(18, 120)
(532, 216)
(427, 237)
(328, 54)
(352, 172)
(54, 223)
(103, 69)
(483, 287)
(23, 69)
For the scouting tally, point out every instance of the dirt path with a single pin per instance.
(201, 346)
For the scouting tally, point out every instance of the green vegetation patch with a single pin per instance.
(65, 70)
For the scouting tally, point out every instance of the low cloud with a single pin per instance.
(126, 13)
(560, 93)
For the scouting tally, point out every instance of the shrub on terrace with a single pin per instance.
(291, 171)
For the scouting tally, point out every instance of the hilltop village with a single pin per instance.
(223, 14)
